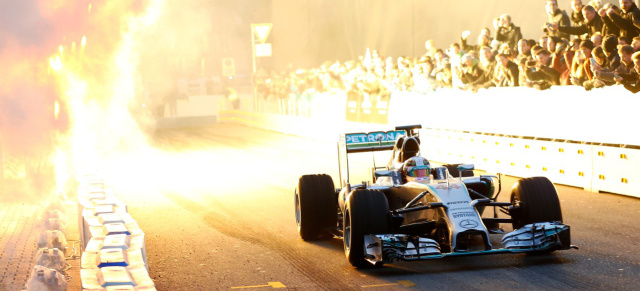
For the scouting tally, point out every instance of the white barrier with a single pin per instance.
(114, 251)
(591, 166)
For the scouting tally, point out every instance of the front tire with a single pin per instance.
(537, 200)
(366, 212)
(316, 206)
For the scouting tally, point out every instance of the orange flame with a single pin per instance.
(93, 64)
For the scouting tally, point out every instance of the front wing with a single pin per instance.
(537, 237)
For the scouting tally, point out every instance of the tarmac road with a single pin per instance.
(220, 216)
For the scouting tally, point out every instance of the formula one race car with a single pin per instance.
(413, 211)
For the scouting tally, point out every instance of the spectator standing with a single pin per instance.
(471, 71)
(544, 41)
(429, 47)
(610, 48)
(577, 18)
(552, 42)
(455, 56)
(635, 43)
(524, 50)
(559, 63)
(628, 21)
(442, 71)
(507, 32)
(541, 75)
(624, 40)
(634, 85)
(596, 67)
(591, 24)
(507, 72)
(597, 4)
(555, 15)
(597, 39)
(483, 40)
(579, 67)
(609, 27)
(624, 70)
(487, 32)
(488, 66)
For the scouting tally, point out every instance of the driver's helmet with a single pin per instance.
(416, 169)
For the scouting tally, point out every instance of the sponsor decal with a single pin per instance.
(356, 138)
(444, 187)
(468, 223)
(463, 214)
(457, 202)
(378, 136)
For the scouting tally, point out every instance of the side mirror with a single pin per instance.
(385, 173)
(466, 167)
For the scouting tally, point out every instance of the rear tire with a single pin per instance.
(366, 212)
(316, 206)
(538, 201)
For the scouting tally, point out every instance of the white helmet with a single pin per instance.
(416, 169)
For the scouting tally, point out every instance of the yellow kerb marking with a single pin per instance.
(406, 283)
(403, 283)
(269, 284)
(276, 285)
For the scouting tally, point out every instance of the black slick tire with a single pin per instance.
(316, 206)
(366, 212)
(537, 200)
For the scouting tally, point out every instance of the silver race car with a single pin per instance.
(414, 211)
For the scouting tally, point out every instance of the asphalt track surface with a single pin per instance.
(221, 217)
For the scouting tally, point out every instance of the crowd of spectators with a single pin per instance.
(594, 46)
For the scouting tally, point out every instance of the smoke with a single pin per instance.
(174, 47)
(81, 81)
(41, 48)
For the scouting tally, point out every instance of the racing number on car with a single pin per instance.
(443, 187)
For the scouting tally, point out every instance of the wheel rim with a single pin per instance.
(297, 209)
(516, 218)
(347, 230)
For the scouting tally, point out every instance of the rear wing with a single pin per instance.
(370, 142)
(360, 142)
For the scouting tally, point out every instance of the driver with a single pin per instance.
(416, 169)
